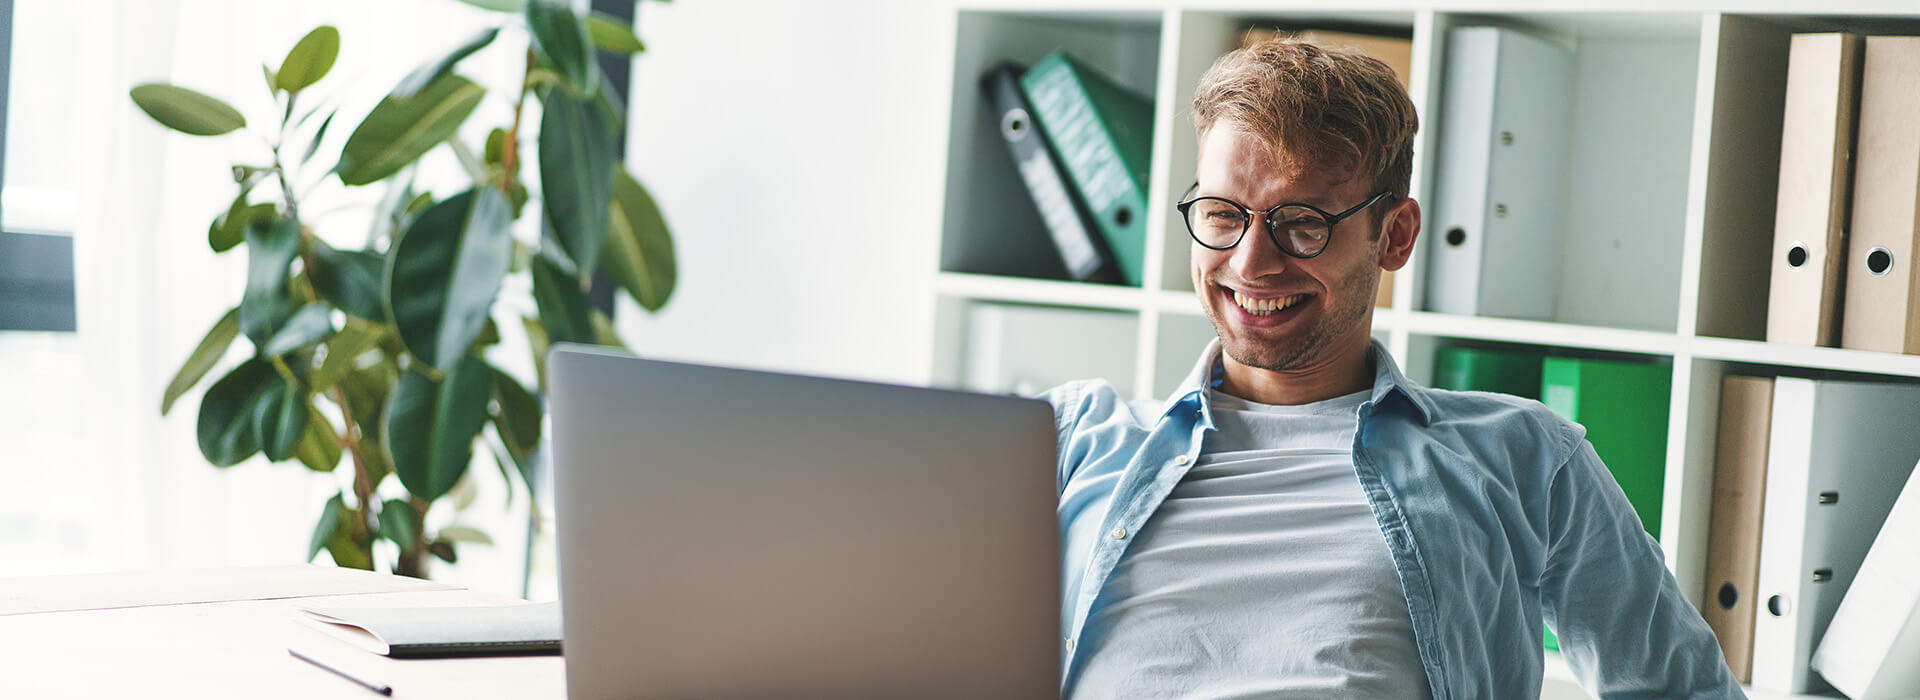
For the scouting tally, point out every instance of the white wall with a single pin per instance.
(795, 148)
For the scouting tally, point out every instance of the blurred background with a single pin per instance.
(784, 141)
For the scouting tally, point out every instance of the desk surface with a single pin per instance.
(225, 633)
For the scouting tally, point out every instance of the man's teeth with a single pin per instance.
(1263, 307)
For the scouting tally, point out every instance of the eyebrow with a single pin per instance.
(1198, 192)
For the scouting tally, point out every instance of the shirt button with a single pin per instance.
(1069, 645)
(1119, 533)
(1182, 459)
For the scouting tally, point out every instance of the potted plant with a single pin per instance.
(378, 357)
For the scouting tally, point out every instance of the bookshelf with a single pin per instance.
(1677, 112)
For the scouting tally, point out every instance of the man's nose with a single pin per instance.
(1257, 254)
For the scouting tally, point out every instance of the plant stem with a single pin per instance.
(510, 151)
(350, 439)
(362, 482)
(413, 558)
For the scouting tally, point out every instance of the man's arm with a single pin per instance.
(1626, 630)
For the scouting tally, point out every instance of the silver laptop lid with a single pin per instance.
(729, 533)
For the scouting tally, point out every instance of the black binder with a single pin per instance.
(1086, 255)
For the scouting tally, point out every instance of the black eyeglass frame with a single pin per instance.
(1267, 217)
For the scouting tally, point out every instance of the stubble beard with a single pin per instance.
(1315, 346)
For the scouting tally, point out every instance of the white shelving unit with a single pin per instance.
(1669, 219)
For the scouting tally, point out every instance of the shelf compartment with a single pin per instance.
(989, 223)
(1743, 162)
(1622, 221)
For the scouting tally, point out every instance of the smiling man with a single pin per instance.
(1299, 520)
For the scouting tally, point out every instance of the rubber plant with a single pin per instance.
(379, 357)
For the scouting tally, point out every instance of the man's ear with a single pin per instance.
(1399, 231)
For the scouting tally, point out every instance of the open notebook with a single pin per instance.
(438, 632)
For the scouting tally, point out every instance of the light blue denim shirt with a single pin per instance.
(1496, 511)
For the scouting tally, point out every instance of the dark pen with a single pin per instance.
(380, 688)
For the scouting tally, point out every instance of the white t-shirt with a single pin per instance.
(1262, 575)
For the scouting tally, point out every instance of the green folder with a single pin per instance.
(1104, 132)
(1515, 372)
(1624, 408)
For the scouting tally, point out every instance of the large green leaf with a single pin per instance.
(265, 305)
(431, 426)
(398, 522)
(434, 70)
(309, 60)
(308, 325)
(576, 174)
(324, 529)
(354, 280)
(610, 34)
(562, 37)
(187, 111)
(204, 356)
(445, 272)
(320, 448)
(338, 533)
(401, 129)
(225, 430)
(230, 229)
(280, 419)
(348, 552)
(639, 252)
(564, 312)
(519, 418)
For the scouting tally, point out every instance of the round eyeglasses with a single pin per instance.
(1299, 230)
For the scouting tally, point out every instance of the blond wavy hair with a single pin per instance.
(1323, 107)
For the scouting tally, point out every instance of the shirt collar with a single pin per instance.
(1208, 373)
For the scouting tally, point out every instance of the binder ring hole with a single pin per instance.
(1779, 606)
(1729, 596)
(1014, 124)
(1456, 236)
(1797, 255)
(1879, 261)
(1123, 216)
(1828, 498)
(1822, 575)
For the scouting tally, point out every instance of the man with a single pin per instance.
(1301, 521)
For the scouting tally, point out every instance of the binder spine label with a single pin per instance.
(1056, 207)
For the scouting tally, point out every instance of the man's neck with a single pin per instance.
(1337, 375)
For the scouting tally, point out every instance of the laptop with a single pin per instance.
(726, 533)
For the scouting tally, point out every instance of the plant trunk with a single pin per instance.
(412, 562)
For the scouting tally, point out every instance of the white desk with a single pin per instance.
(225, 633)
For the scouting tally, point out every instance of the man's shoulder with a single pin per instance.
(1084, 399)
(1480, 416)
